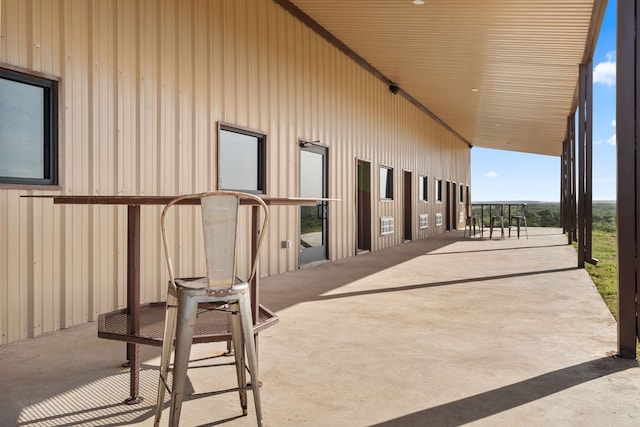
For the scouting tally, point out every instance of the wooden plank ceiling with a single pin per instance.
(501, 73)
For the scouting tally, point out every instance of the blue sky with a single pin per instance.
(503, 175)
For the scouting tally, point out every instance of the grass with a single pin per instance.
(605, 274)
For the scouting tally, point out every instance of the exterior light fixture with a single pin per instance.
(475, 89)
(418, 2)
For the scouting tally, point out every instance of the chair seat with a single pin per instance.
(201, 283)
(211, 325)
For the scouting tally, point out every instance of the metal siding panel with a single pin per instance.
(141, 107)
(202, 130)
(168, 63)
(15, 27)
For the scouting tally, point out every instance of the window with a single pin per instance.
(28, 128)
(423, 188)
(241, 160)
(438, 190)
(461, 193)
(386, 183)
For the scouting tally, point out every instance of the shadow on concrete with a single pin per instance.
(492, 402)
(443, 283)
(98, 401)
(496, 249)
(308, 284)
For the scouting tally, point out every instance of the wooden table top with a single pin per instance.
(163, 200)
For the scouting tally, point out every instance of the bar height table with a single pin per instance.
(262, 317)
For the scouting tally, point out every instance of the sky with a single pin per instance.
(498, 175)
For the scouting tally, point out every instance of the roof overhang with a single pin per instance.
(499, 73)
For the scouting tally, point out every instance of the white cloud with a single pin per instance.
(612, 140)
(598, 142)
(613, 123)
(605, 72)
(490, 174)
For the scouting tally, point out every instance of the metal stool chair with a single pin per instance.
(521, 218)
(497, 215)
(220, 289)
(471, 222)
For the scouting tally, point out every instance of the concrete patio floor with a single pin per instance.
(441, 332)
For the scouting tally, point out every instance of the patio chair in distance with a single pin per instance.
(471, 222)
(220, 289)
(497, 215)
(521, 218)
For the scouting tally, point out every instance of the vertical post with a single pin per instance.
(585, 175)
(255, 282)
(581, 166)
(627, 192)
(588, 166)
(563, 186)
(133, 301)
(572, 177)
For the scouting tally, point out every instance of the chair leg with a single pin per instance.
(187, 309)
(490, 228)
(167, 347)
(252, 358)
(525, 227)
(238, 352)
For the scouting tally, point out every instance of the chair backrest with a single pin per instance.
(219, 212)
(518, 210)
(497, 210)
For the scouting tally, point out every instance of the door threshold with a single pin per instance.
(314, 263)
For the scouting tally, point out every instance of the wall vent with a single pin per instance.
(423, 221)
(438, 219)
(386, 225)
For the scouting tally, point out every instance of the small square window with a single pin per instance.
(386, 183)
(438, 190)
(241, 160)
(461, 193)
(28, 128)
(423, 188)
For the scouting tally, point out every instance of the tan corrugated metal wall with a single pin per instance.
(143, 85)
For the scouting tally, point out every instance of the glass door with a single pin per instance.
(313, 219)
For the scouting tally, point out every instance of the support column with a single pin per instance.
(563, 187)
(627, 98)
(567, 186)
(585, 150)
(571, 175)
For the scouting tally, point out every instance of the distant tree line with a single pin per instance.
(547, 214)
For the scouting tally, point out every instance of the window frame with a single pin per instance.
(438, 185)
(51, 90)
(423, 183)
(389, 183)
(261, 184)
